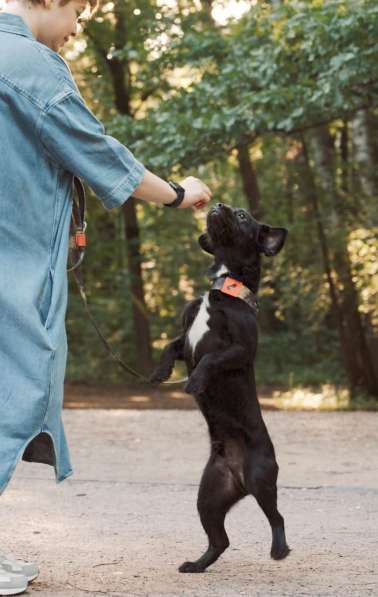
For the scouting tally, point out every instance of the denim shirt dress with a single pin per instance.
(47, 135)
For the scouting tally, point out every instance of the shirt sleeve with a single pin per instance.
(73, 138)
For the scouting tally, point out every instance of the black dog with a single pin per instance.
(219, 344)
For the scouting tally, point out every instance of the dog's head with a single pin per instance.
(237, 241)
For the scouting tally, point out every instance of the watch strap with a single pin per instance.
(180, 194)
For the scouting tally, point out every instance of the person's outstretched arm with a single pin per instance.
(156, 190)
(72, 137)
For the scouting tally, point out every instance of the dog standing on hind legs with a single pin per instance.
(218, 345)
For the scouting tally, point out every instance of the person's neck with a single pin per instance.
(29, 15)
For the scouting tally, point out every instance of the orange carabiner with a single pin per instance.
(80, 239)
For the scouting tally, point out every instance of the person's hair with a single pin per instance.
(93, 4)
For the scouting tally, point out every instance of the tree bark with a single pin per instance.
(327, 261)
(357, 358)
(121, 82)
(139, 310)
(363, 150)
(249, 180)
(344, 155)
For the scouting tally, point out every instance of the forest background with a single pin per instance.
(274, 105)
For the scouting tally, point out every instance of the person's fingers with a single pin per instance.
(198, 192)
(206, 197)
(204, 186)
(199, 204)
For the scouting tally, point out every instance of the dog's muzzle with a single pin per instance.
(221, 223)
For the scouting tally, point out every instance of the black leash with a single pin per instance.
(78, 239)
(78, 245)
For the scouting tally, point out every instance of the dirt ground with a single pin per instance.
(141, 396)
(125, 521)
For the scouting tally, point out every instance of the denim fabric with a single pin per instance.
(47, 135)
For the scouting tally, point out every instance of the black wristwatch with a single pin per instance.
(180, 194)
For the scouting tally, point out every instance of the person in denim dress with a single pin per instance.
(47, 136)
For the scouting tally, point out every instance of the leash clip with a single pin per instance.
(81, 237)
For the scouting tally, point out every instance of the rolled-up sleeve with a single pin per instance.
(73, 138)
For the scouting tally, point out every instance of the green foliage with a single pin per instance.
(298, 357)
(107, 282)
(304, 65)
(197, 91)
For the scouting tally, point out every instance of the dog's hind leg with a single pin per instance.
(218, 492)
(263, 487)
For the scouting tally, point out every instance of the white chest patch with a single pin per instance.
(222, 270)
(199, 326)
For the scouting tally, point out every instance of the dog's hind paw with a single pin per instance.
(280, 552)
(191, 567)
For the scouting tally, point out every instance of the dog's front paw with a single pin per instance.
(191, 567)
(196, 384)
(160, 374)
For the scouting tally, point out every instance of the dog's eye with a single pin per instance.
(242, 215)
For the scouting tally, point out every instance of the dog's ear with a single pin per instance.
(205, 243)
(271, 240)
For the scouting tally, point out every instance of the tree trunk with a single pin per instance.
(363, 150)
(250, 182)
(357, 357)
(327, 263)
(120, 77)
(344, 155)
(139, 310)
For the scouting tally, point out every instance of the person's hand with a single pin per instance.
(197, 194)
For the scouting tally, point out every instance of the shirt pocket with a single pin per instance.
(45, 302)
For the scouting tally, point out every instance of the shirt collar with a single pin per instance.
(14, 24)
